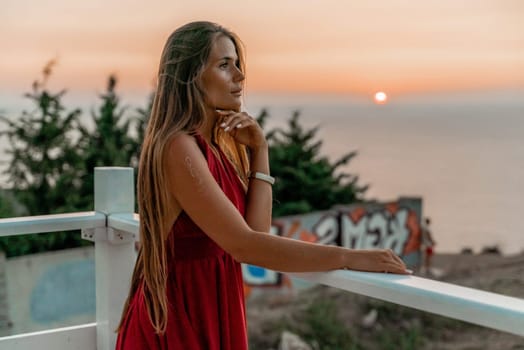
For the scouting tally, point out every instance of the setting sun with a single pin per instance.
(381, 98)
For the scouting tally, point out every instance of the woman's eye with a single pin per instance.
(223, 65)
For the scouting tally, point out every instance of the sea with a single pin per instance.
(463, 154)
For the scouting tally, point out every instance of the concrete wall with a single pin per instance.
(49, 290)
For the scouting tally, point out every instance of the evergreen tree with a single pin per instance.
(6, 205)
(306, 181)
(109, 144)
(45, 161)
(45, 166)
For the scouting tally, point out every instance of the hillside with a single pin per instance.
(327, 318)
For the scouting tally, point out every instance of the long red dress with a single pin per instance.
(205, 287)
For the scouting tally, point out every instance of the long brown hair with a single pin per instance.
(178, 106)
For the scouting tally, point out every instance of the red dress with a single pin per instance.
(204, 287)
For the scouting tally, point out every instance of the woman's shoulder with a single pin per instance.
(183, 139)
(184, 144)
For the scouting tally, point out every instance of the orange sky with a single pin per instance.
(353, 47)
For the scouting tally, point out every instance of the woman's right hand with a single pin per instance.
(243, 128)
(376, 260)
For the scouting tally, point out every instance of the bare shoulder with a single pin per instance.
(185, 163)
(180, 148)
(181, 142)
(183, 154)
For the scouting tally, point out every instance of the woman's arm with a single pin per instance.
(259, 193)
(197, 192)
(259, 202)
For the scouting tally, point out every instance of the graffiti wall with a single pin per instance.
(394, 225)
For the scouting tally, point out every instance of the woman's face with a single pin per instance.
(222, 79)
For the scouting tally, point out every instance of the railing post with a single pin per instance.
(114, 251)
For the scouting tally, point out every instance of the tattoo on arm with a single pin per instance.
(194, 173)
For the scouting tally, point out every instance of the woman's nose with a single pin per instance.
(239, 75)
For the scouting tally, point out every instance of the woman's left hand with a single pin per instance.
(243, 128)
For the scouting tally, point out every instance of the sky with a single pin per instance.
(350, 47)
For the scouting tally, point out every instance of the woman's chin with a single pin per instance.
(230, 106)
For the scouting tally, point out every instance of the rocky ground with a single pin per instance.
(326, 318)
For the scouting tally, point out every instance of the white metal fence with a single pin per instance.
(113, 227)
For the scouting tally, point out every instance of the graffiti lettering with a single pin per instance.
(352, 233)
(398, 233)
(386, 226)
(376, 230)
(327, 230)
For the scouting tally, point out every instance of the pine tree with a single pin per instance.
(45, 166)
(45, 160)
(6, 205)
(306, 181)
(109, 144)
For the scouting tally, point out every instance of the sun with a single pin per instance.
(381, 98)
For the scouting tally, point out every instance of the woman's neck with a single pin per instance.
(206, 130)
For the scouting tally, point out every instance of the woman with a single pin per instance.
(204, 195)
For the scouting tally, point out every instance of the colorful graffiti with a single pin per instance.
(394, 225)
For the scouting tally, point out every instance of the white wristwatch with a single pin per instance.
(261, 176)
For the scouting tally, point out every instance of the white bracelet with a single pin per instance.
(261, 176)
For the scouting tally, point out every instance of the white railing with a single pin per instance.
(114, 227)
(51, 223)
(82, 337)
(467, 304)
